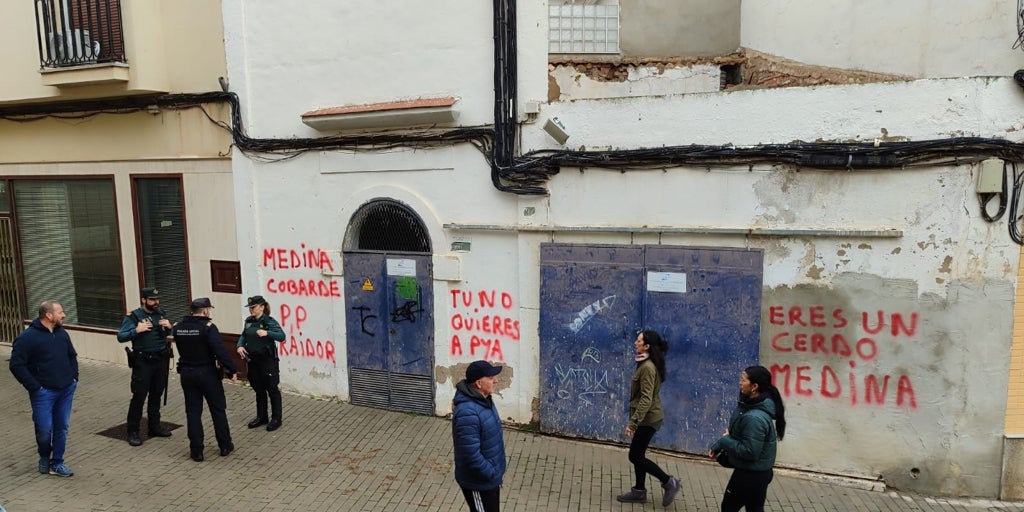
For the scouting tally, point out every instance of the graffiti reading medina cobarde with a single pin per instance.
(803, 332)
(480, 322)
(294, 278)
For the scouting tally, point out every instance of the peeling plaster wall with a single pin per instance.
(925, 408)
(922, 38)
(943, 290)
(641, 81)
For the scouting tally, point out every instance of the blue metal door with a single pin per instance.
(589, 314)
(390, 330)
(706, 301)
(712, 323)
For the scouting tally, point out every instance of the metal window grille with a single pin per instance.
(386, 225)
(576, 28)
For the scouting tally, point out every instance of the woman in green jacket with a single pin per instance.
(257, 345)
(646, 416)
(750, 442)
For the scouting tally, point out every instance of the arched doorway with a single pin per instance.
(389, 308)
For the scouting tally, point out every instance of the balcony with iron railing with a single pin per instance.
(77, 34)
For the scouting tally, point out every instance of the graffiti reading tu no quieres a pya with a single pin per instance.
(481, 322)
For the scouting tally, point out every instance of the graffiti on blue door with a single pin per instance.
(593, 301)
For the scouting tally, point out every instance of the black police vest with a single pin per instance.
(191, 338)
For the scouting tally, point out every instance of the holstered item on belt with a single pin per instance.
(224, 372)
(151, 357)
(264, 354)
(131, 357)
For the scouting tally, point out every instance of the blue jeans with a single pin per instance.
(51, 413)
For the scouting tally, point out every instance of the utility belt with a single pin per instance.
(186, 365)
(136, 356)
(264, 354)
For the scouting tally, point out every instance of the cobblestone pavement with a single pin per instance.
(332, 456)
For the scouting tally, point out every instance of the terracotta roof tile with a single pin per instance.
(378, 107)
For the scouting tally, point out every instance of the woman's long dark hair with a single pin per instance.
(763, 378)
(659, 347)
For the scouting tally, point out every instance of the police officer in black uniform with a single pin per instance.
(202, 361)
(147, 329)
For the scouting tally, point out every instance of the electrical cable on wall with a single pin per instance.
(1016, 215)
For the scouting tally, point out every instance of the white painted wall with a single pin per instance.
(950, 268)
(921, 38)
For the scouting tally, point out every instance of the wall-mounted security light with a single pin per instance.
(556, 130)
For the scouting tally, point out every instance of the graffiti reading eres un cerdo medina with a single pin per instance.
(813, 331)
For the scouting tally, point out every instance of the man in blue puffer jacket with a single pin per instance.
(479, 443)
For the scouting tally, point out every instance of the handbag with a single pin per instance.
(722, 458)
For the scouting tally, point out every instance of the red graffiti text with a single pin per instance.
(303, 257)
(829, 383)
(481, 323)
(815, 331)
(307, 348)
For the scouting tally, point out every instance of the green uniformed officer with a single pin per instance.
(147, 329)
(258, 346)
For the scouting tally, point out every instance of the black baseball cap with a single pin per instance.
(478, 369)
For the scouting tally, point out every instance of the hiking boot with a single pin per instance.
(44, 466)
(273, 425)
(134, 439)
(60, 470)
(633, 496)
(257, 422)
(159, 431)
(671, 489)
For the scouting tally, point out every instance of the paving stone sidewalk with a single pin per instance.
(331, 456)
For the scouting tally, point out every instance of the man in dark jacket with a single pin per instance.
(201, 361)
(44, 361)
(478, 439)
(147, 329)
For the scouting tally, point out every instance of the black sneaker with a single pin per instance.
(159, 431)
(633, 496)
(671, 489)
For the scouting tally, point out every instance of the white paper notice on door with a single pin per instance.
(671, 282)
(402, 268)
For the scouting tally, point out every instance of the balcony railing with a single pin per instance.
(79, 32)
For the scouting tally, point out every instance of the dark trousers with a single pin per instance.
(149, 378)
(199, 383)
(482, 501)
(746, 489)
(264, 376)
(638, 456)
